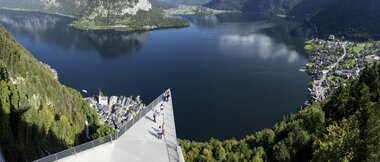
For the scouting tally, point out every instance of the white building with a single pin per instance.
(103, 100)
(113, 100)
(331, 37)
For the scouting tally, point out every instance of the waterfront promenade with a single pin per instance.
(140, 143)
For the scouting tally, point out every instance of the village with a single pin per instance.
(115, 111)
(333, 62)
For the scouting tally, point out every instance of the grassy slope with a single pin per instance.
(37, 113)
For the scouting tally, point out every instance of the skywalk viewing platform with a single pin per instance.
(139, 143)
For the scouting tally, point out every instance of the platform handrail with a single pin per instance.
(103, 140)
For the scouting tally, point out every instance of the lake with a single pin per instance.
(230, 75)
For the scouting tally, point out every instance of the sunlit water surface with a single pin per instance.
(230, 75)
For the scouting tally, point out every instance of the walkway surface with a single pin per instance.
(140, 143)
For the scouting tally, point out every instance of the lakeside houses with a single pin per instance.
(333, 62)
(115, 111)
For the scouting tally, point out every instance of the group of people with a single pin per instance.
(161, 130)
(155, 113)
(167, 95)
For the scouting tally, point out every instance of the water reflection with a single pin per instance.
(252, 36)
(220, 63)
(204, 21)
(112, 44)
(53, 30)
(256, 45)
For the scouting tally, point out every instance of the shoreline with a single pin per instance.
(333, 62)
(106, 28)
(125, 29)
(38, 11)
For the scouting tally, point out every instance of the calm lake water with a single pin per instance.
(230, 75)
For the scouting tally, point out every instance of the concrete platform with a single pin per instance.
(140, 143)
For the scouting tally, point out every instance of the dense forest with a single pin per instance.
(343, 127)
(352, 19)
(38, 115)
(143, 20)
(358, 20)
(299, 8)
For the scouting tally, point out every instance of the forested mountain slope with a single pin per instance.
(357, 20)
(38, 115)
(299, 8)
(350, 18)
(343, 127)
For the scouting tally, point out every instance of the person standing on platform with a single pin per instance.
(159, 132)
(154, 116)
(161, 108)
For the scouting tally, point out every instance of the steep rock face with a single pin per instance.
(69, 7)
(104, 8)
(78, 7)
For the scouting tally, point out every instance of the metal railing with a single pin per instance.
(2, 159)
(180, 154)
(102, 140)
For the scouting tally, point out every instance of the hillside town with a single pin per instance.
(115, 111)
(334, 61)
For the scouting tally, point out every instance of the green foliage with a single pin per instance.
(143, 20)
(338, 143)
(37, 113)
(102, 131)
(102, 14)
(343, 127)
(357, 20)
(299, 8)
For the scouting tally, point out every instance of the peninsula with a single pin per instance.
(128, 15)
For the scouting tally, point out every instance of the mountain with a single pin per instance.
(343, 127)
(38, 115)
(68, 7)
(353, 19)
(125, 15)
(293, 7)
(229, 5)
(187, 2)
(308, 8)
